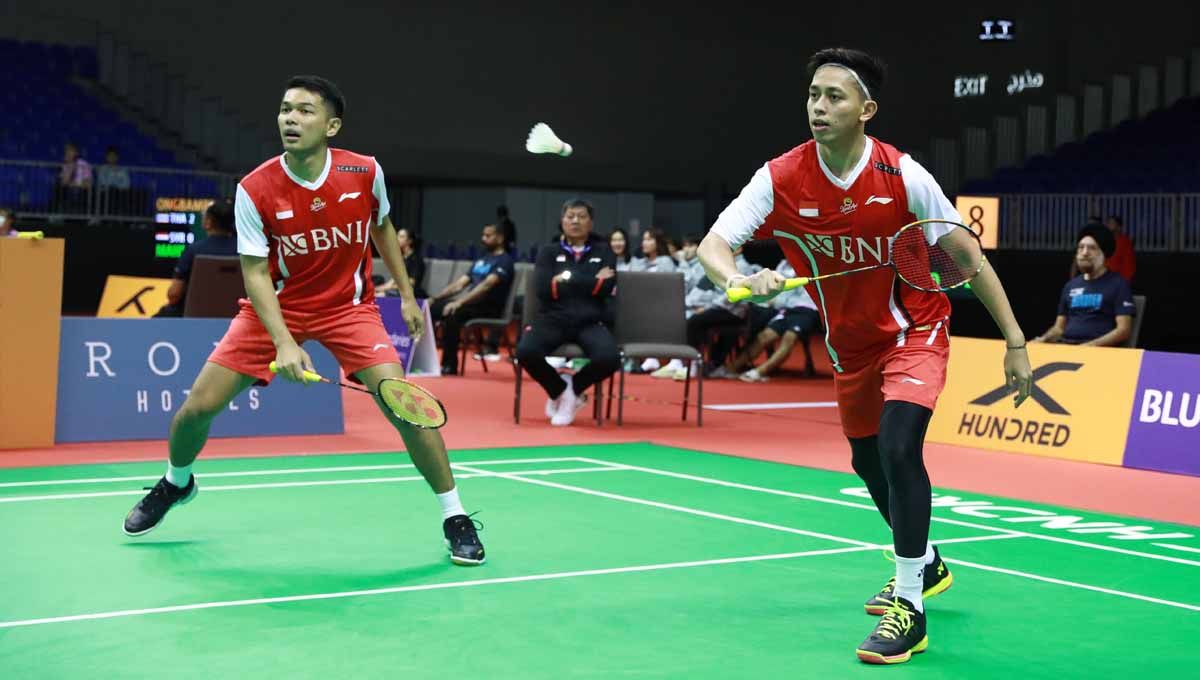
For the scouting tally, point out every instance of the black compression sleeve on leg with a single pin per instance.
(864, 458)
(901, 445)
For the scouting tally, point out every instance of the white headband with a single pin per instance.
(852, 73)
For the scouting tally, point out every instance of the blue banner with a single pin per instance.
(126, 378)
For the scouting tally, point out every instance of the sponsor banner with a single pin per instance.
(982, 215)
(1078, 408)
(420, 357)
(132, 297)
(125, 379)
(1164, 429)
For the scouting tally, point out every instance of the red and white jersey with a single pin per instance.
(314, 234)
(825, 224)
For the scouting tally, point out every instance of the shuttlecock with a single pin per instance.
(543, 140)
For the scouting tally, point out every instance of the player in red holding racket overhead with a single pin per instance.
(834, 204)
(303, 219)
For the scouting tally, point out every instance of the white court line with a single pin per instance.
(1108, 591)
(1184, 548)
(285, 485)
(1073, 584)
(655, 504)
(259, 473)
(771, 405)
(872, 508)
(435, 586)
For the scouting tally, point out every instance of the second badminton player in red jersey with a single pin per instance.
(304, 220)
(833, 204)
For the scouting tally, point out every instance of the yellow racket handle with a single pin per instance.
(309, 376)
(739, 293)
(35, 235)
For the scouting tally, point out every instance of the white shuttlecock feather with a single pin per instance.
(543, 140)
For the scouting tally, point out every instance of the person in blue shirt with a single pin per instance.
(486, 285)
(1096, 307)
(221, 240)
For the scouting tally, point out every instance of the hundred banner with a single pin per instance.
(1079, 407)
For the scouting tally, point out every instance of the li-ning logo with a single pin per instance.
(848, 205)
(882, 200)
(1039, 395)
(824, 244)
(317, 204)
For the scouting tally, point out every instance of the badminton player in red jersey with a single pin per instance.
(832, 204)
(303, 220)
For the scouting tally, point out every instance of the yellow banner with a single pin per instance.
(1078, 409)
(982, 214)
(132, 297)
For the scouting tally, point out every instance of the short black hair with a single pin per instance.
(221, 213)
(1103, 237)
(871, 69)
(326, 88)
(577, 203)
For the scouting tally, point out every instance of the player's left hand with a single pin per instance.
(1018, 373)
(414, 318)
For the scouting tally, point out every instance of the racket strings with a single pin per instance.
(412, 403)
(940, 265)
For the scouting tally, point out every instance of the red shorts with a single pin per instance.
(914, 372)
(354, 335)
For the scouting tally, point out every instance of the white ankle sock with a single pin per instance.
(909, 581)
(451, 506)
(179, 476)
(928, 552)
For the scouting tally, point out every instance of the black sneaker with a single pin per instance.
(149, 512)
(897, 636)
(462, 541)
(937, 579)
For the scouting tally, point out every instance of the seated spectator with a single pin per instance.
(1123, 260)
(74, 181)
(796, 318)
(618, 243)
(8, 222)
(689, 263)
(1096, 307)
(112, 184)
(111, 175)
(221, 240)
(574, 278)
(654, 253)
(486, 287)
(414, 264)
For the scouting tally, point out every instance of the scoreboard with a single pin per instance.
(179, 222)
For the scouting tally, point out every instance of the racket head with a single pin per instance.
(412, 403)
(938, 265)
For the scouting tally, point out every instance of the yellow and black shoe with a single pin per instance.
(899, 634)
(937, 580)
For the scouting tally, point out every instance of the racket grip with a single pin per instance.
(309, 376)
(33, 235)
(739, 293)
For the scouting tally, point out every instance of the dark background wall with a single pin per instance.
(656, 96)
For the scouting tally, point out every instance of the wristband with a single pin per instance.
(1021, 346)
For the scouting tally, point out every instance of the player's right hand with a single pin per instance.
(763, 285)
(293, 361)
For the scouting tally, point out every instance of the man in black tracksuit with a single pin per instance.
(574, 277)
